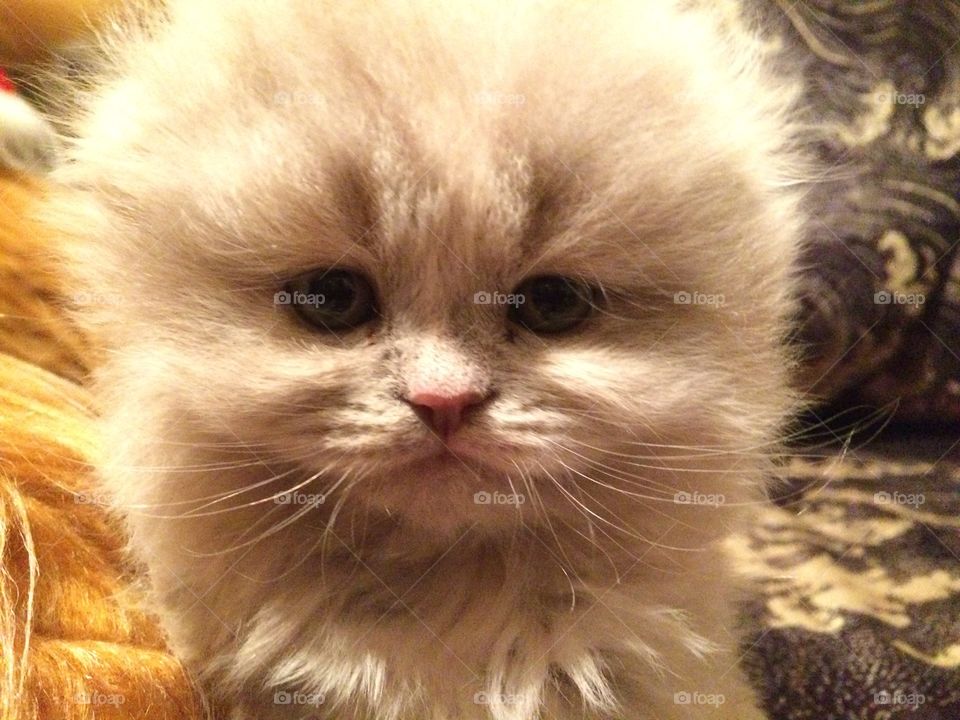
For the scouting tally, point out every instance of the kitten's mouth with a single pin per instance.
(454, 455)
(457, 456)
(444, 488)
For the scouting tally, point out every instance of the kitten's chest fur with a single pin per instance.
(505, 629)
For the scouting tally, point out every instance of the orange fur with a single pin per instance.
(69, 623)
(31, 29)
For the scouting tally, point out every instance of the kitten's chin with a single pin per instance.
(446, 490)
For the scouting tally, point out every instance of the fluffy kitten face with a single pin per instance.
(442, 154)
(497, 149)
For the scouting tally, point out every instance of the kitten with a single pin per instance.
(444, 341)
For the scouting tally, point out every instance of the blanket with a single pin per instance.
(857, 565)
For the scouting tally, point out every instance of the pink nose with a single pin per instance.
(444, 413)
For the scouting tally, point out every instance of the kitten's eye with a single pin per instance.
(552, 304)
(332, 299)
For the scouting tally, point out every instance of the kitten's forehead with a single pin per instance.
(442, 140)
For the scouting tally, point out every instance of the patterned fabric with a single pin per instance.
(859, 565)
(881, 289)
(857, 616)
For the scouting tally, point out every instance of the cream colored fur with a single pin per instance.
(444, 149)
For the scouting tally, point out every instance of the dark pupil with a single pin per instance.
(554, 297)
(338, 290)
